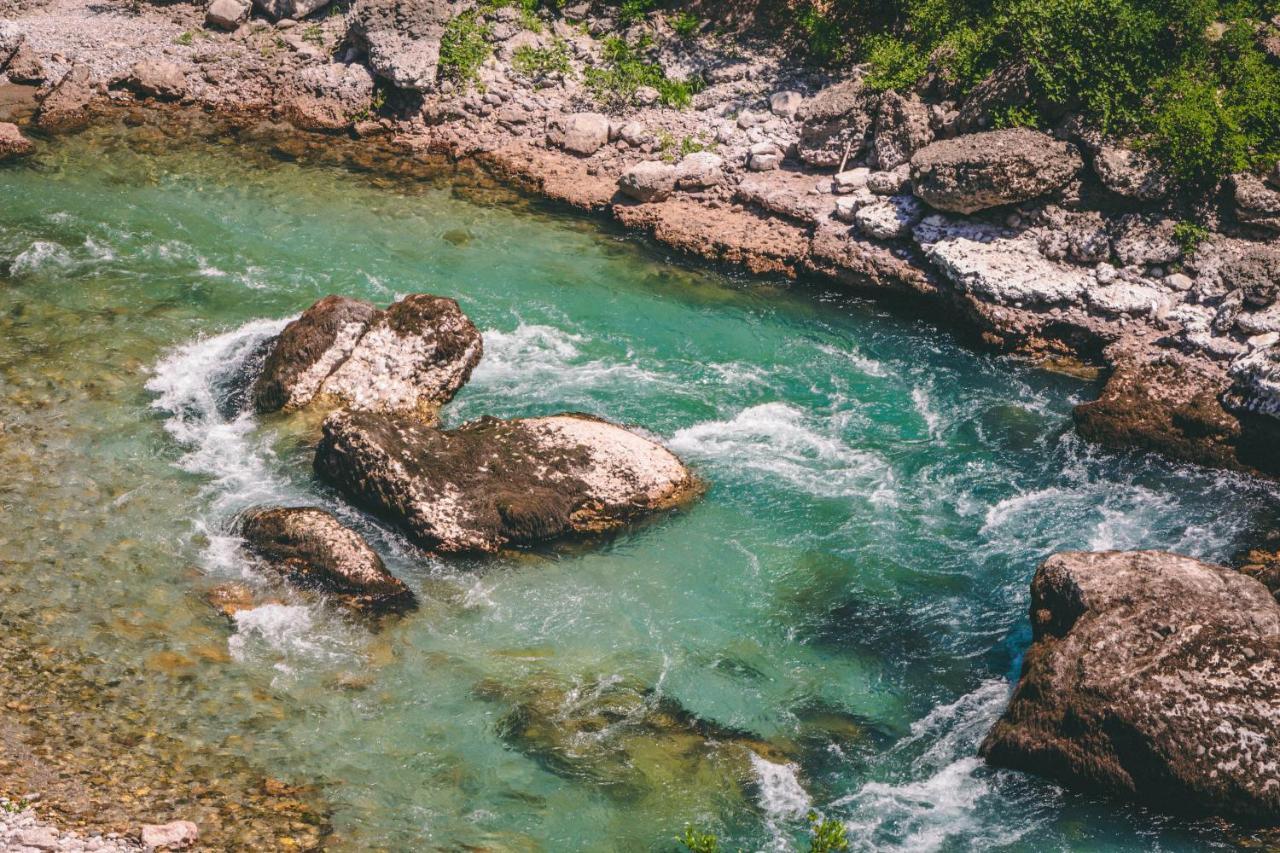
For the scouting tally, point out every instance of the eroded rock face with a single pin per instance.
(66, 105)
(493, 483)
(835, 123)
(1154, 677)
(1256, 203)
(902, 129)
(402, 38)
(313, 550)
(330, 97)
(1130, 173)
(981, 170)
(277, 9)
(412, 357)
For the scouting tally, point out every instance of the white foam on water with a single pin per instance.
(924, 407)
(782, 797)
(534, 360)
(40, 255)
(98, 251)
(780, 440)
(863, 364)
(287, 635)
(949, 795)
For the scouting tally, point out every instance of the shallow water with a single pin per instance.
(834, 626)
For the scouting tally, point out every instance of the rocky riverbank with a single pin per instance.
(1062, 244)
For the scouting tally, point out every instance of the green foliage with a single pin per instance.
(895, 63)
(464, 46)
(1189, 236)
(313, 34)
(186, 38)
(537, 62)
(625, 70)
(698, 842)
(634, 11)
(828, 835)
(684, 23)
(14, 808)
(1186, 78)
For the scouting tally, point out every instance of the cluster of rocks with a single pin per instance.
(484, 486)
(22, 831)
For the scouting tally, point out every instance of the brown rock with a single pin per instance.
(330, 97)
(835, 123)
(1256, 203)
(493, 483)
(308, 350)
(12, 143)
(313, 550)
(981, 170)
(156, 78)
(902, 129)
(177, 835)
(1153, 677)
(66, 105)
(25, 67)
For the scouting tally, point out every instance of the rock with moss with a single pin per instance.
(493, 483)
(412, 357)
(313, 550)
(1150, 676)
(402, 39)
(982, 170)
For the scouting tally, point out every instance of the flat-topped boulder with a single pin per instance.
(66, 106)
(493, 483)
(402, 38)
(1151, 676)
(313, 550)
(981, 170)
(412, 357)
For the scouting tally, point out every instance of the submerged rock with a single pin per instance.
(492, 483)
(1154, 677)
(412, 357)
(981, 170)
(12, 143)
(313, 550)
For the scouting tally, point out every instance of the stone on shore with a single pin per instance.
(1153, 677)
(1256, 203)
(330, 97)
(649, 181)
(902, 128)
(178, 835)
(412, 357)
(1130, 173)
(227, 14)
(579, 133)
(700, 170)
(494, 483)
(402, 39)
(12, 143)
(889, 218)
(25, 67)
(291, 9)
(982, 170)
(156, 78)
(836, 123)
(66, 106)
(313, 550)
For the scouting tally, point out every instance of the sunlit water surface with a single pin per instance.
(849, 596)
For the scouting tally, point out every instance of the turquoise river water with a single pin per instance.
(849, 597)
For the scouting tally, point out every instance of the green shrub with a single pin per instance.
(539, 61)
(895, 63)
(1189, 236)
(464, 46)
(684, 23)
(824, 36)
(634, 11)
(828, 835)
(186, 38)
(625, 70)
(698, 842)
(313, 34)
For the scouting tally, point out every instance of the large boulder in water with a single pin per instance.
(412, 357)
(492, 483)
(1151, 676)
(981, 170)
(313, 550)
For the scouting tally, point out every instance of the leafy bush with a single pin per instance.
(634, 11)
(625, 70)
(1187, 78)
(539, 61)
(828, 835)
(698, 842)
(1189, 236)
(684, 23)
(464, 46)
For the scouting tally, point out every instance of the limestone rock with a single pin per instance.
(177, 835)
(412, 358)
(12, 143)
(25, 67)
(1256, 203)
(896, 181)
(902, 128)
(329, 97)
(1009, 86)
(1143, 240)
(651, 180)
(227, 14)
(11, 38)
(890, 219)
(292, 9)
(493, 483)
(157, 78)
(700, 170)
(402, 39)
(313, 550)
(835, 123)
(579, 133)
(785, 104)
(1124, 297)
(1256, 379)
(1150, 676)
(789, 194)
(1130, 173)
(997, 266)
(982, 170)
(66, 105)
(851, 180)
